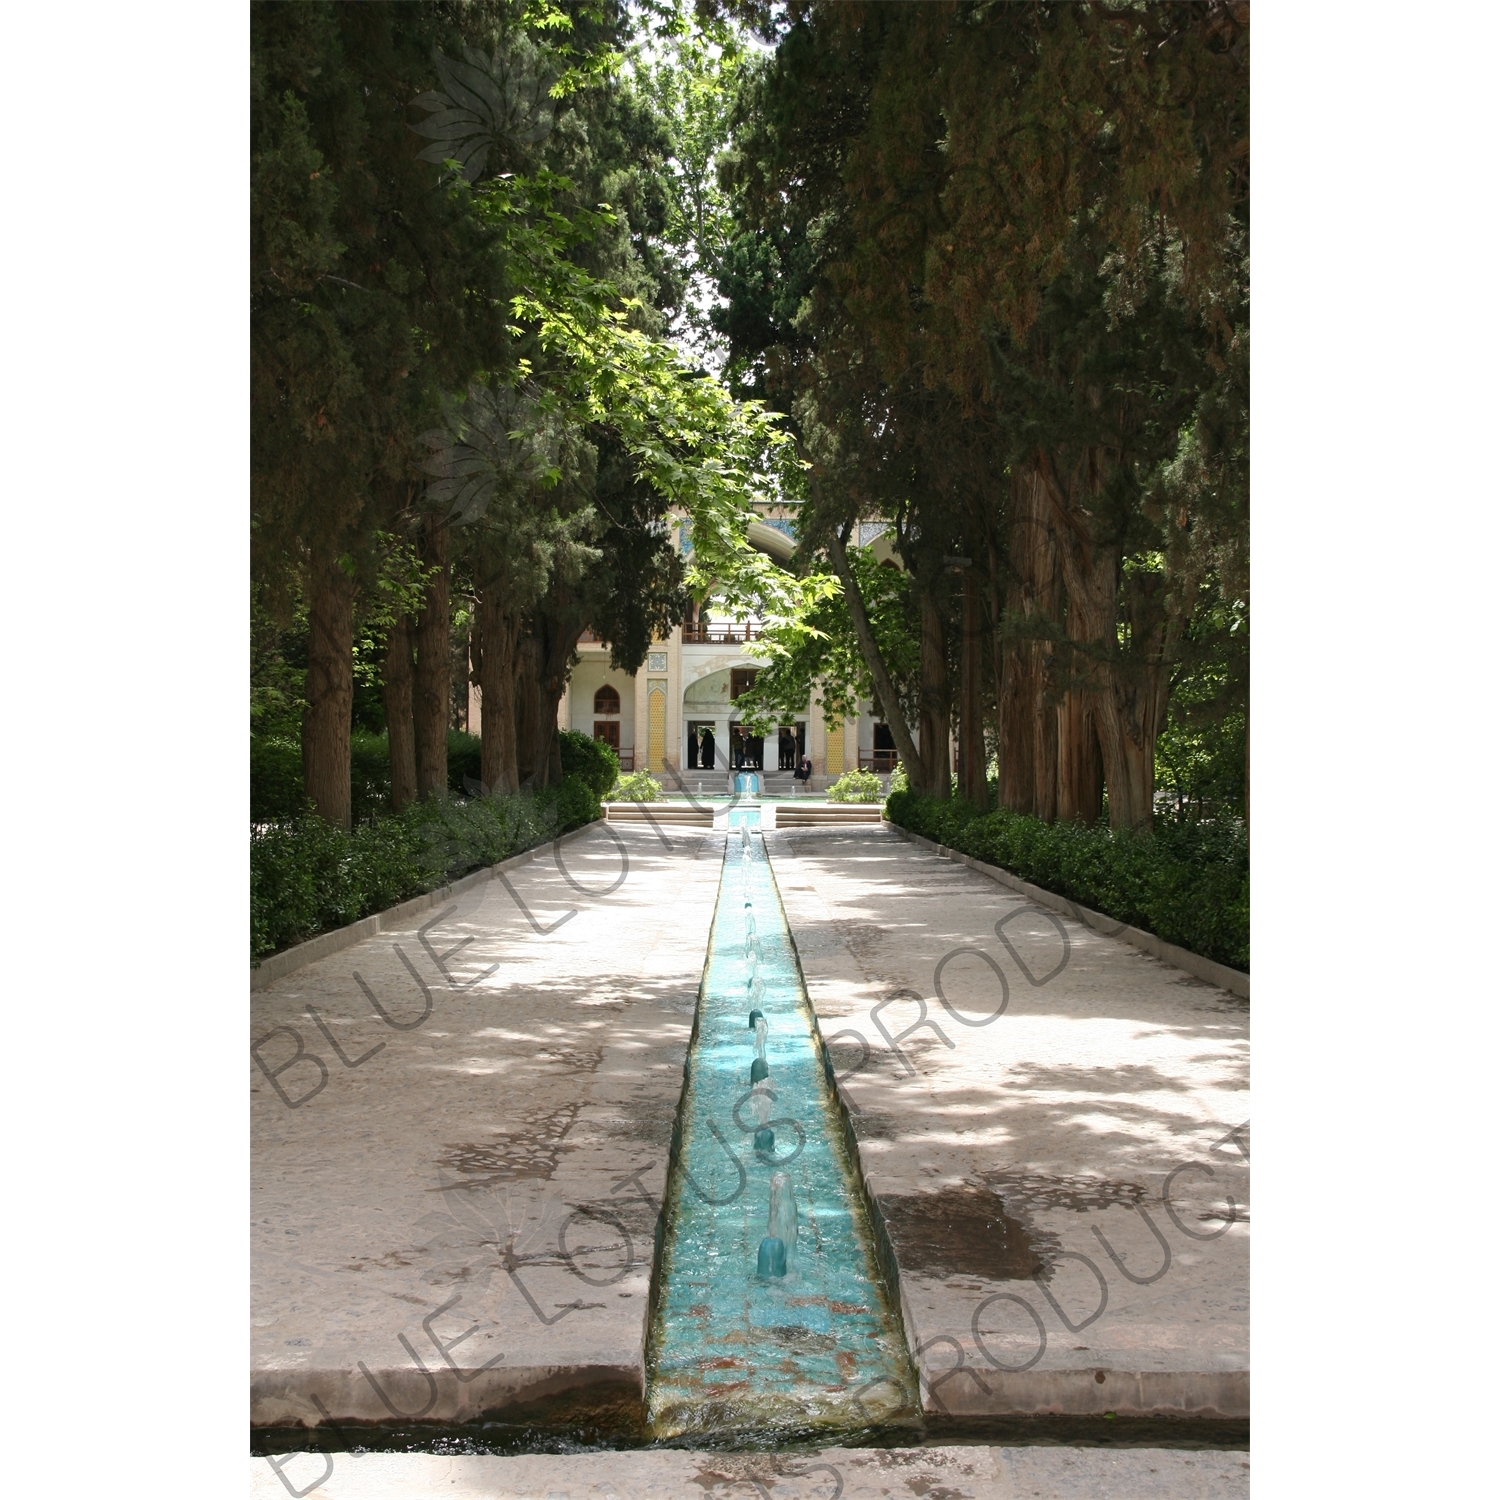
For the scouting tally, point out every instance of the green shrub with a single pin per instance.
(463, 761)
(576, 804)
(306, 876)
(369, 775)
(899, 783)
(1188, 882)
(638, 786)
(275, 780)
(856, 786)
(592, 761)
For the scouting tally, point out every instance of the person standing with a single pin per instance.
(706, 753)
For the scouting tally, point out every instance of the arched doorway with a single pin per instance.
(607, 716)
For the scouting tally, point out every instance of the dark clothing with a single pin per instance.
(706, 754)
(804, 770)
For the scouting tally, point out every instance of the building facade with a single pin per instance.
(690, 682)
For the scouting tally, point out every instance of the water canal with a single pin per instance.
(737, 1346)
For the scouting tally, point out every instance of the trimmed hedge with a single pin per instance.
(1188, 882)
(307, 877)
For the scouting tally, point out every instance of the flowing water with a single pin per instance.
(820, 1348)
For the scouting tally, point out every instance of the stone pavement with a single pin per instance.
(460, 1137)
(455, 1190)
(1036, 1473)
(1054, 1126)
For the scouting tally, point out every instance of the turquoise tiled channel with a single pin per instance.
(821, 1349)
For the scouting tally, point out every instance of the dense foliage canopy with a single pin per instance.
(463, 405)
(999, 275)
(527, 275)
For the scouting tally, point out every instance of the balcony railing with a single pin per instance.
(882, 762)
(719, 635)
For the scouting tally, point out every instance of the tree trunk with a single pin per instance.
(1028, 723)
(400, 729)
(551, 679)
(434, 676)
(1046, 748)
(933, 720)
(998, 662)
(885, 689)
(972, 783)
(1139, 686)
(557, 627)
(1128, 771)
(527, 696)
(1080, 767)
(498, 633)
(330, 690)
(549, 752)
(538, 692)
(1127, 698)
(1092, 574)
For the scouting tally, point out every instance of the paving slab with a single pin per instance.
(1054, 1127)
(957, 1473)
(456, 1185)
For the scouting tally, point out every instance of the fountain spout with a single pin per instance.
(771, 1260)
